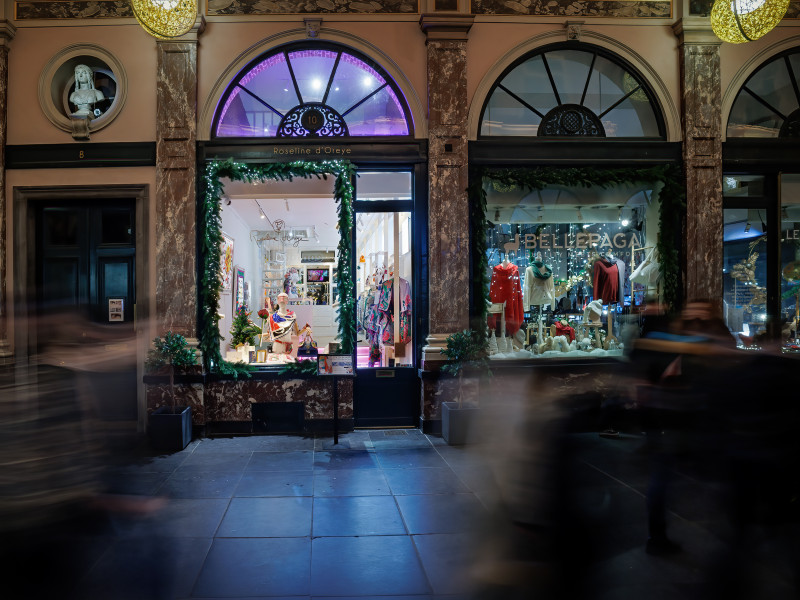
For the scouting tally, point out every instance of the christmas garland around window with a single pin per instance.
(672, 197)
(210, 230)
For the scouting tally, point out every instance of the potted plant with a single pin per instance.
(243, 331)
(170, 426)
(468, 352)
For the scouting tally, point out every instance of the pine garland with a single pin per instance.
(210, 226)
(672, 197)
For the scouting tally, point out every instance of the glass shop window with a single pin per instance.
(567, 267)
(745, 248)
(790, 262)
(279, 270)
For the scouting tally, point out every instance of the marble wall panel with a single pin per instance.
(276, 7)
(702, 153)
(185, 395)
(3, 232)
(176, 271)
(231, 400)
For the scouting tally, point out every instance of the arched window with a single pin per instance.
(312, 90)
(571, 90)
(768, 105)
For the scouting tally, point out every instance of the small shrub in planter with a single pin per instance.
(170, 426)
(467, 351)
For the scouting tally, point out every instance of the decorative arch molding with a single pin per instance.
(665, 100)
(751, 66)
(299, 35)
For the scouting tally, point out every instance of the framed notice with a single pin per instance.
(238, 288)
(226, 263)
(116, 309)
(334, 364)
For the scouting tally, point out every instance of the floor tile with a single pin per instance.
(281, 461)
(215, 461)
(352, 459)
(284, 443)
(441, 513)
(448, 559)
(352, 440)
(267, 517)
(399, 438)
(133, 483)
(184, 517)
(275, 483)
(252, 567)
(194, 484)
(366, 566)
(423, 481)
(228, 444)
(350, 482)
(410, 458)
(360, 515)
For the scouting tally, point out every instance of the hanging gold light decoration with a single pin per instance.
(165, 19)
(738, 21)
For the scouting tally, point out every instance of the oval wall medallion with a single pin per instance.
(82, 89)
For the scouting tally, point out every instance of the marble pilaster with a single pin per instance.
(448, 212)
(7, 31)
(702, 158)
(175, 198)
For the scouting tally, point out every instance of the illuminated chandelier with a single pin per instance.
(165, 19)
(738, 21)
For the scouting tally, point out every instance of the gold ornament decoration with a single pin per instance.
(165, 19)
(739, 21)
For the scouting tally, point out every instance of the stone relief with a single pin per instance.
(267, 7)
(641, 9)
(652, 9)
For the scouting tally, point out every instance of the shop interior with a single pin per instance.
(567, 266)
(279, 263)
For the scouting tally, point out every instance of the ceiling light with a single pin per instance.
(738, 21)
(316, 83)
(165, 19)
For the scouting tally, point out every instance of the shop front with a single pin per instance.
(761, 187)
(312, 216)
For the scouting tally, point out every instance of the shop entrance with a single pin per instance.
(85, 255)
(386, 389)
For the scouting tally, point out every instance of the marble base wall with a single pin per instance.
(231, 401)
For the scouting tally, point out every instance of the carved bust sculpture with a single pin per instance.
(85, 95)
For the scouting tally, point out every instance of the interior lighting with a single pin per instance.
(739, 21)
(622, 220)
(316, 83)
(367, 81)
(165, 19)
(747, 227)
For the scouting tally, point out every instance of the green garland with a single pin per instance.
(210, 231)
(672, 197)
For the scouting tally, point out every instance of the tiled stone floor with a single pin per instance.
(396, 514)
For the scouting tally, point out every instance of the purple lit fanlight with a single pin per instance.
(359, 102)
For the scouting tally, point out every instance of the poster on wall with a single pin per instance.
(238, 288)
(330, 364)
(226, 263)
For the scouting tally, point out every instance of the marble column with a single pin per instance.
(7, 31)
(175, 198)
(702, 158)
(448, 203)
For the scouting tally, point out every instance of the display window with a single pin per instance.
(790, 263)
(281, 241)
(566, 266)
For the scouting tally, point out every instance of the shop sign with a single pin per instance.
(792, 234)
(312, 151)
(551, 241)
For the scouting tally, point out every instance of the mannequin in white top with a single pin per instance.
(283, 325)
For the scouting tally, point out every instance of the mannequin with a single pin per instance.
(539, 288)
(505, 312)
(283, 324)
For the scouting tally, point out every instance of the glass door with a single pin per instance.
(386, 385)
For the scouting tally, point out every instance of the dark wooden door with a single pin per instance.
(85, 263)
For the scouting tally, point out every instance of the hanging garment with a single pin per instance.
(539, 286)
(505, 288)
(281, 325)
(565, 330)
(605, 277)
(621, 268)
